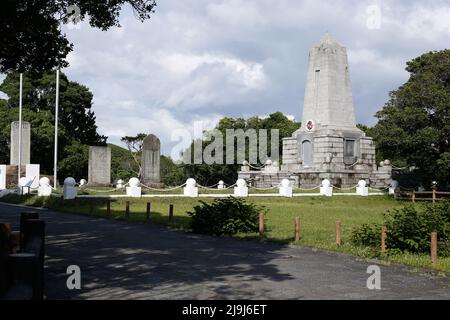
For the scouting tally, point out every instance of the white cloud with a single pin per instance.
(202, 59)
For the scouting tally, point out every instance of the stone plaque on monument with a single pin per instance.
(151, 150)
(99, 171)
(14, 148)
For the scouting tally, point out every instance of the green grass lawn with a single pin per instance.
(318, 216)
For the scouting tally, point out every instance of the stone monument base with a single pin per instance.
(380, 178)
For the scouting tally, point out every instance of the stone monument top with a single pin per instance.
(328, 102)
(151, 142)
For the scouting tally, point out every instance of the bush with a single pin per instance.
(367, 235)
(409, 229)
(225, 216)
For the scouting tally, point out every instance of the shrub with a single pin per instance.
(367, 235)
(225, 216)
(409, 229)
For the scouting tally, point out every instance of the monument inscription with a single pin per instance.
(99, 171)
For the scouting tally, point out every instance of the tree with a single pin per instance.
(414, 125)
(123, 165)
(134, 145)
(210, 174)
(75, 106)
(30, 31)
(77, 123)
(171, 173)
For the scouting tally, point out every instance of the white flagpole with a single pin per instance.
(55, 164)
(20, 132)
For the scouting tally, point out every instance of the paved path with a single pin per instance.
(119, 260)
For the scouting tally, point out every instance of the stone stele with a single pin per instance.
(150, 163)
(99, 172)
(26, 137)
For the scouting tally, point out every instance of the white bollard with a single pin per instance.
(221, 185)
(69, 190)
(285, 189)
(392, 186)
(32, 174)
(44, 189)
(326, 188)
(190, 190)
(361, 189)
(134, 190)
(23, 182)
(119, 184)
(241, 189)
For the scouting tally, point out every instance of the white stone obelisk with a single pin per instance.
(328, 98)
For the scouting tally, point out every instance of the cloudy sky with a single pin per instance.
(205, 59)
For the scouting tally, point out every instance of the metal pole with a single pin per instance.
(55, 164)
(20, 132)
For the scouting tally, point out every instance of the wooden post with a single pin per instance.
(261, 223)
(127, 209)
(434, 196)
(383, 239)
(297, 229)
(171, 212)
(338, 233)
(148, 210)
(414, 197)
(433, 248)
(108, 207)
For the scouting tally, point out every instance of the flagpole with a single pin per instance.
(55, 163)
(20, 132)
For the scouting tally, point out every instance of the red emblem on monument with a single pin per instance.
(310, 125)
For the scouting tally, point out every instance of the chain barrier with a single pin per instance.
(101, 191)
(162, 190)
(398, 168)
(379, 189)
(308, 189)
(257, 168)
(270, 188)
(344, 189)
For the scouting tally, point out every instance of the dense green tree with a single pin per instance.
(134, 145)
(30, 33)
(123, 165)
(172, 174)
(77, 127)
(210, 174)
(414, 125)
(75, 106)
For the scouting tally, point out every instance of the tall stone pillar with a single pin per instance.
(26, 143)
(99, 171)
(150, 163)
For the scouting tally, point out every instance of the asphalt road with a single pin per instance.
(120, 260)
